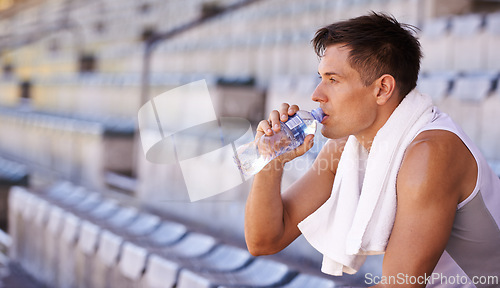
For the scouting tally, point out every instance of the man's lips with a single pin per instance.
(324, 118)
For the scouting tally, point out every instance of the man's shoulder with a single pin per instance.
(438, 161)
(440, 145)
(435, 141)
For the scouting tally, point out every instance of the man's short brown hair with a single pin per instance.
(378, 45)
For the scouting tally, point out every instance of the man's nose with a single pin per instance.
(318, 95)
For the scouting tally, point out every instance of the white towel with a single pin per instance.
(357, 221)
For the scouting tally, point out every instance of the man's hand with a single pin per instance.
(270, 138)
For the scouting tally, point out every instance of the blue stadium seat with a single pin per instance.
(489, 141)
(259, 273)
(493, 41)
(85, 253)
(52, 234)
(167, 234)
(436, 85)
(306, 280)
(144, 224)
(108, 253)
(131, 266)
(66, 256)
(469, 43)
(436, 43)
(160, 273)
(193, 245)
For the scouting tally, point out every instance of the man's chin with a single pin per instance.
(331, 135)
(327, 134)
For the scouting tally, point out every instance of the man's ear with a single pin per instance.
(386, 86)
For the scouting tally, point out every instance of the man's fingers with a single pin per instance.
(264, 128)
(284, 112)
(293, 109)
(308, 144)
(271, 127)
(274, 117)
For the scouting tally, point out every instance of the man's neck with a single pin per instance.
(366, 137)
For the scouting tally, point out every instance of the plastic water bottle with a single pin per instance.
(254, 156)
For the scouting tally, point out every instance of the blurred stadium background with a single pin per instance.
(88, 210)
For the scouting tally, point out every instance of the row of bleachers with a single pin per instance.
(84, 239)
(92, 95)
(96, 96)
(472, 40)
(71, 148)
(274, 22)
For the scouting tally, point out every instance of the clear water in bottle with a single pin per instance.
(254, 156)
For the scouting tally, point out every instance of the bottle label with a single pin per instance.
(293, 122)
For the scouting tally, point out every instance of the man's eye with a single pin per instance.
(332, 80)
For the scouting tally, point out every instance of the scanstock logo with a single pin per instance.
(181, 126)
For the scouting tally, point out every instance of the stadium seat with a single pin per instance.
(66, 256)
(465, 102)
(306, 280)
(493, 41)
(223, 258)
(73, 197)
(160, 273)
(108, 253)
(167, 234)
(260, 273)
(91, 201)
(17, 196)
(144, 224)
(29, 212)
(469, 43)
(123, 217)
(193, 245)
(88, 242)
(436, 85)
(52, 235)
(131, 266)
(85, 253)
(106, 209)
(474, 87)
(436, 43)
(490, 136)
(40, 224)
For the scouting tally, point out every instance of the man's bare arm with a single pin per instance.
(271, 217)
(437, 173)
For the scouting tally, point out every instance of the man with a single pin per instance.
(448, 199)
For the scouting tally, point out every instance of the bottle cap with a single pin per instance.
(318, 114)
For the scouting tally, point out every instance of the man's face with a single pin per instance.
(350, 105)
